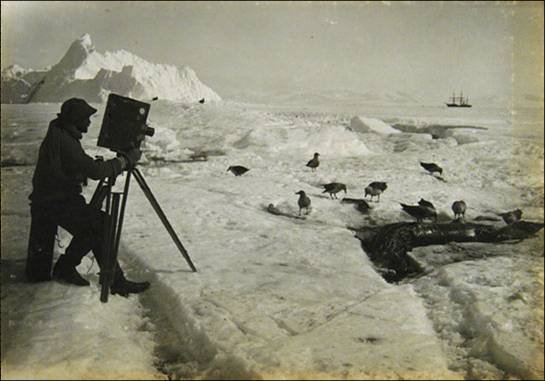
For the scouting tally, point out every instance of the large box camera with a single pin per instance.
(124, 124)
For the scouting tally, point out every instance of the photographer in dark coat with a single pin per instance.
(62, 168)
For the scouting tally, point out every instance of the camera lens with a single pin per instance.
(149, 131)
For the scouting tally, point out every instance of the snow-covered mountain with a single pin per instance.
(83, 72)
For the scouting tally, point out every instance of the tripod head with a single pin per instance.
(124, 124)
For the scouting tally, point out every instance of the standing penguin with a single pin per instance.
(334, 188)
(314, 162)
(303, 202)
(375, 189)
(459, 209)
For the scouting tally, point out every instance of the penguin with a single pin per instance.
(314, 162)
(363, 206)
(334, 188)
(303, 202)
(419, 212)
(511, 217)
(432, 168)
(426, 204)
(375, 189)
(359, 203)
(237, 170)
(459, 209)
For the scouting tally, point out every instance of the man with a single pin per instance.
(62, 168)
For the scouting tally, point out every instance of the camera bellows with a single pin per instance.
(124, 124)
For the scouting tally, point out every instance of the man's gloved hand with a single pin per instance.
(129, 158)
(133, 156)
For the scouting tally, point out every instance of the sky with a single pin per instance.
(431, 48)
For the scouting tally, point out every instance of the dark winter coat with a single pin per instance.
(63, 166)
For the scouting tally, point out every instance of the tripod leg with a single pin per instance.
(122, 212)
(119, 217)
(110, 258)
(147, 191)
(106, 239)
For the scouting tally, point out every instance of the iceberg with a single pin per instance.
(85, 73)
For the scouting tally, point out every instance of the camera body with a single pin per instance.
(124, 124)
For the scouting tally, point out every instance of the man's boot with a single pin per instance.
(66, 272)
(124, 287)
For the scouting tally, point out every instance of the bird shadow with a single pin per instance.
(437, 177)
(440, 178)
(319, 195)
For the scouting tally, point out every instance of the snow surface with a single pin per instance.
(363, 124)
(280, 297)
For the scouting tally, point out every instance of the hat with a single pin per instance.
(76, 109)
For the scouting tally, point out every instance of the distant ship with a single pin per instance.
(458, 102)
